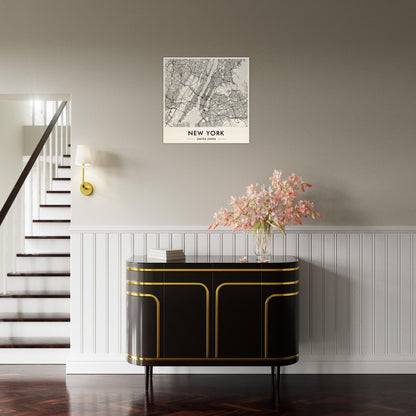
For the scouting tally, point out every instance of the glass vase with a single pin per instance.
(262, 239)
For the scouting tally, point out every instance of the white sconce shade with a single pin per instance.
(83, 155)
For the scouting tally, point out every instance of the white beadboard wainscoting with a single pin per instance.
(357, 294)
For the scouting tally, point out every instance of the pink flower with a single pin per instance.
(273, 205)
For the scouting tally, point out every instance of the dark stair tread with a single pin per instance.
(61, 179)
(47, 342)
(34, 317)
(43, 255)
(66, 155)
(39, 274)
(47, 237)
(46, 221)
(64, 167)
(55, 205)
(58, 192)
(36, 294)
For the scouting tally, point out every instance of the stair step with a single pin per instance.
(66, 155)
(53, 221)
(21, 342)
(43, 255)
(47, 244)
(61, 184)
(34, 317)
(43, 263)
(55, 211)
(55, 205)
(58, 197)
(34, 325)
(64, 171)
(51, 227)
(38, 282)
(29, 302)
(36, 294)
(48, 237)
(38, 274)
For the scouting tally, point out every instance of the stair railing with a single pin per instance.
(35, 179)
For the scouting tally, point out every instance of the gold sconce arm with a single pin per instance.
(86, 188)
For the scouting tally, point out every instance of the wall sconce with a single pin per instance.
(83, 158)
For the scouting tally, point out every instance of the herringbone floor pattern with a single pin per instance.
(45, 390)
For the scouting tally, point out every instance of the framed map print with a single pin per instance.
(206, 100)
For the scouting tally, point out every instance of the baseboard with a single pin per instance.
(34, 355)
(116, 364)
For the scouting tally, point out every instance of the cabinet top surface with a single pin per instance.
(234, 261)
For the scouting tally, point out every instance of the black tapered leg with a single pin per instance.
(148, 367)
(278, 380)
(273, 371)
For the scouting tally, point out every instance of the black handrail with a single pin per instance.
(30, 163)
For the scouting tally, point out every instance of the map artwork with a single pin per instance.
(206, 100)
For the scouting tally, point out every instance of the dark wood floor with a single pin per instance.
(46, 390)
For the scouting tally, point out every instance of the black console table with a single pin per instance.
(212, 311)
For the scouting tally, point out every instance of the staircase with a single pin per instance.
(34, 310)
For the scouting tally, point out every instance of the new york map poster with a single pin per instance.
(206, 100)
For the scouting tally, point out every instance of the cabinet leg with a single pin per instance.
(147, 367)
(278, 381)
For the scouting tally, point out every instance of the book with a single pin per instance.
(166, 254)
(165, 251)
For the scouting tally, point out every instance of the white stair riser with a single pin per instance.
(58, 198)
(34, 329)
(61, 185)
(35, 305)
(54, 213)
(47, 246)
(50, 228)
(34, 355)
(64, 173)
(66, 161)
(42, 264)
(50, 284)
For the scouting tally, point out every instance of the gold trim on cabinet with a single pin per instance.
(134, 269)
(245, 284)
(132, 282)
(157, 316)
(134, 357)
(266, 318)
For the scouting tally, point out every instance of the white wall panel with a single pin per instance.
(357, 287)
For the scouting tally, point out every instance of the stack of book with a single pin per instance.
(166, 254)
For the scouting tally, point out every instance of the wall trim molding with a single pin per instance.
(204, 229)
(357, 293)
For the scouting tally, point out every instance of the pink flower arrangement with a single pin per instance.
(265, 207)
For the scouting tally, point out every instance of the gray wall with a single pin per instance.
(332, 98)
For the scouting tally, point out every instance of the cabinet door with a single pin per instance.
(237, 314)
(144, 299)
(280, 314)
(186, 323)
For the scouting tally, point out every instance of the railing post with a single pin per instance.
(55, 135)
(50, 164)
